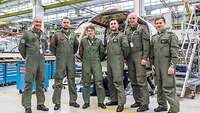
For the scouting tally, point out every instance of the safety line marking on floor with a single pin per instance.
(49, 103)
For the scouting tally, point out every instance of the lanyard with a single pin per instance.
(40, 42)
(134, 31)
(112, 37)
(90, 42)
(67, 36)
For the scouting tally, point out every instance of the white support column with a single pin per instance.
(38, 10)
(139, 7)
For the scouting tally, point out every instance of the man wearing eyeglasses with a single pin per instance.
(117, 49)
(32, 46)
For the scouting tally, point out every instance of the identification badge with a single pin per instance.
(131, 44)
(115, 40)
(41, 51)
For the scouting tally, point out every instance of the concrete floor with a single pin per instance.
(10, 102)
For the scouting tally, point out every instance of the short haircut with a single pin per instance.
(113, 19)
(90, 27)
(65, 17)
(160, 17)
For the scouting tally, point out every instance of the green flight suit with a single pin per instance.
(164, 48)
(91, 53)
(32, 47)
(139, 40)
(117, 49)
(64, 46)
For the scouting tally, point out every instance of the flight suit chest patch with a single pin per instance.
(164, 41)
(95, 44)
(115, 40)
(136, 33)
(43, 40)
(33, 39)
(62, 38)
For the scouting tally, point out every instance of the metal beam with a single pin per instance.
(65, 3)
(16, 13)
(170, 4)
(51, 6)
(4, 1)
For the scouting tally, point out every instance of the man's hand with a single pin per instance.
(143, 62)
(171, 70)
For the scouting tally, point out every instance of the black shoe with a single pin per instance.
(169, 112)
(86, 105)
(101, 105)
(42, 107)
(76, 105)
(57, 107)
(143, 108)
(160, 109)
(28, 110)
(120, 108)
(111, 103)
(135, 105)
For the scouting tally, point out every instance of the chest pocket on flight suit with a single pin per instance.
(136, 38)
(165, 47)
(116, 46)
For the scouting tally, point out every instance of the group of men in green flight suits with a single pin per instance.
(133, 45)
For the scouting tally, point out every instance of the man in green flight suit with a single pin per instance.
(164, 48)
(91, 52)
(139, 39)
(117, 49)
(64, 45)
(32, 47)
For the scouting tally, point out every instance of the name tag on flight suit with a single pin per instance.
(164, 41)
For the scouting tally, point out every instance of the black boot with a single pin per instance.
(135, 105)
(160, 109)
(28, 110)
(76, 105)
(101, 105)
(120, 108)
(86, 105)
(111, 103)
(57, 107)
(143, 108)
(42, 107)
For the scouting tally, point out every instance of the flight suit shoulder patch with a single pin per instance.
(53, 40)
(62, 38)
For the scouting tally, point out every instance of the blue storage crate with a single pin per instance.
(181, 68)
(20, 77)
(11, 72)
(79, 88)
(48, 66)
(2, 73)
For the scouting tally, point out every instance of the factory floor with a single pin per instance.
(10, 102)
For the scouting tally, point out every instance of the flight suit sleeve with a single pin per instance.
(145, 42)
(22, 45)
(173, 49)
(81, 49)
(53, 44)
(76, 44)
(102, 51)
(125, 45)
